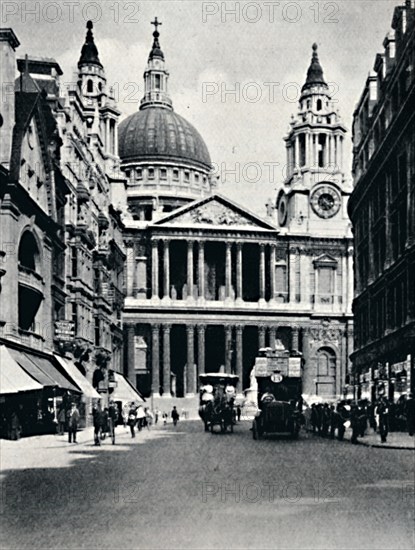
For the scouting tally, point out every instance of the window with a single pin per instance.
(319, 105)
(139, 173)
(151, 173)
(196, 178)
(89, 86)
(158, 82)
(97, 330)
(163, 173)
(175, 175)
(186, 176)
(74, 262)
(28, 251)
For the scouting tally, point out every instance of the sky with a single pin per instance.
(236, 68)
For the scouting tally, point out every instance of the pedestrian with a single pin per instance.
(15, 427)
(409, 409)
(73, 421)
(132, 419)
(149, 417)
(98, 421)
(362, 419)
(112, 420)
(382, 412)
(341, 419)
(156, 416)
(238, 412)
(333, 421)
(314, 419)
(175, 416)
(105, 423)
(141, 418)
(61, 420)
(325, 420)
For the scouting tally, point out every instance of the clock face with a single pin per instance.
(282, 211)
(325, 201)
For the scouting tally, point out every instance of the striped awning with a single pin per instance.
(13, 379)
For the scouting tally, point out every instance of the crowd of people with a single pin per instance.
(332, 420)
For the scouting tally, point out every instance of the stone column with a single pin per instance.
(131, 354)
(190, 269)
(291, 275)
(154, 269)
(155, 360)
(262, 273)
(294, 337)
(201, 333)
(166, 270)
(315, 140)
(272, 271)
(190, 374)
(239, 357)
(201, 267)
(350, 281)
(261, 336)
(228, 270)
(130, 268)
(272, 336)
(228, 347)
(297, 152)
(166, 361)
(239, 271)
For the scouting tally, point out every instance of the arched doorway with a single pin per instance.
(326, 372)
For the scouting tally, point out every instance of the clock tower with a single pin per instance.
(314, 256)
(314, 194)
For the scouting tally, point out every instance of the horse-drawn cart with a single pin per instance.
(217, 396)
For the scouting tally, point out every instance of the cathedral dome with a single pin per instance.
(156, 134)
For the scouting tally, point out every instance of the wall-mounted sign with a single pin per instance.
(294, 367)
(64, 330)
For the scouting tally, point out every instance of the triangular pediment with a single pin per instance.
(325, 260)
(215, 211)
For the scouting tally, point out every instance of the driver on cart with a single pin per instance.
(268, 396)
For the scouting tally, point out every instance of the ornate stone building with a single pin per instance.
(208, 282)
(382, 208)
(316, 276)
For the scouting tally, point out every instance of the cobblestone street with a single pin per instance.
(183, 488)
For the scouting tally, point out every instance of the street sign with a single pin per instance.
(64, 330)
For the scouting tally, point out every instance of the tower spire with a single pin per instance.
(156, 50)
(315, 75)
(89, 52)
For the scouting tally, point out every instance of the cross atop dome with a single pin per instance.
(156, 50)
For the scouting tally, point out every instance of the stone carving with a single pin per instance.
(214, 213)
(325, 333)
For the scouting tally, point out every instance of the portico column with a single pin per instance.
(155, 269)
(272, 335)
(262, 272)
(228, 347)
(350, 281)
(131, 354)
(201, 266)
(261, 336)
(155, 360)
(166, 274)
(201, 333)
(297, 153)
(239, 357)
(190, 386)
(272, 262)
(189, 269)
(228, 270)
(166, 361)
(294, 337)
(239, 271)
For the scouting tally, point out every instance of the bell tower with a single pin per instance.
(313, 192)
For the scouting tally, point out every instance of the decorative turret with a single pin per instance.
(89, 52)
(315, 75)
(156, 76)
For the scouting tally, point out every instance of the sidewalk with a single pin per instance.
(395, 440)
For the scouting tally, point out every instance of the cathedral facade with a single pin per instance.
(208, 283)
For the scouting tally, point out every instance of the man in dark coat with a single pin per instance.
(410, 414)
(73, 421)
(174, 416)
(382, 410)
(98, 420)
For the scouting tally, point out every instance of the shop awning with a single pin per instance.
(42, 370)
(73, 372)
(13, 379)
(125, 391)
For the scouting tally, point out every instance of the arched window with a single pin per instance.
(89, 86)
(319, 105)
(28, 251)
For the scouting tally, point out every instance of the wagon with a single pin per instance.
(217, 396)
